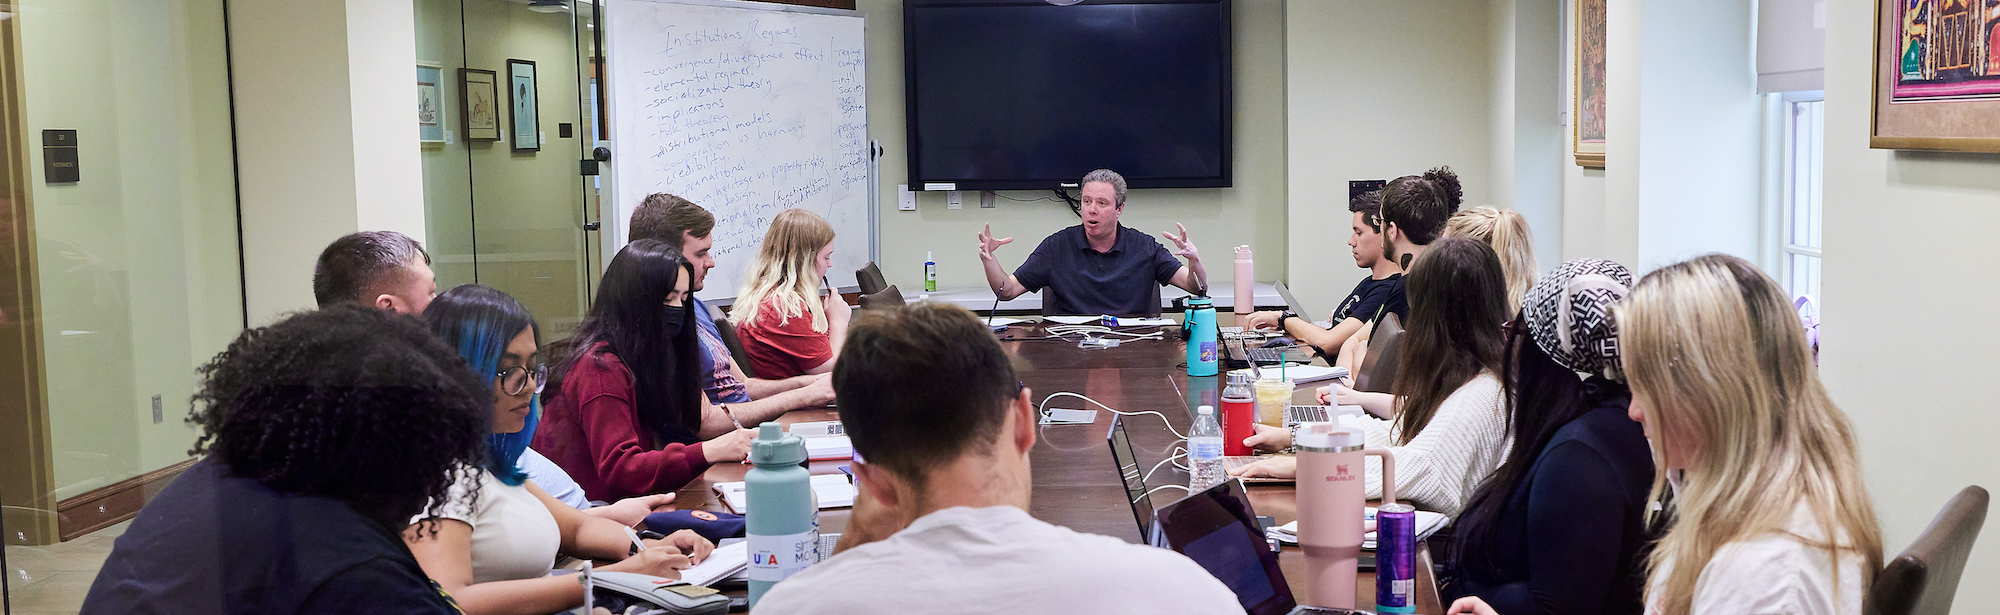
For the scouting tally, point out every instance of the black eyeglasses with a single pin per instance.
(514, 379)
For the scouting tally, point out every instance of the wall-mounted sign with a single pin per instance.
(59, 156)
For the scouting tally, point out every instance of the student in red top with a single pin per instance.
(787, 328)
(625, 405)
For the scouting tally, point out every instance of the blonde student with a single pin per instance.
(790, 322)
(1771, 515)
(1507, 232)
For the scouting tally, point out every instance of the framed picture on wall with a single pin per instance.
(1937, 75)
(430, 103)
(479, 104)
(1587, 110)
(521, 99)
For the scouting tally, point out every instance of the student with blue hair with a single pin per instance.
(497, 533)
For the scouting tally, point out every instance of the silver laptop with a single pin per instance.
(1292, 302)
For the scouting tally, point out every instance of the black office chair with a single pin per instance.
(735, 344)
(1385, 352)
(1923, 580)
(1048, 295)
(888, 299)
(870, 279)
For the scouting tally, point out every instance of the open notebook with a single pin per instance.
(834, 491)
(825, 440)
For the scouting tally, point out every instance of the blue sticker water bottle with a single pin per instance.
(782, 522)
(1201, 344)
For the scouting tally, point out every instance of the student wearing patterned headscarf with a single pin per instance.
(1560, 527)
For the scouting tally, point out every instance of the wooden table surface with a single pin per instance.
(1076, 483)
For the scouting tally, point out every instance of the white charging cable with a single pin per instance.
(1042, 410)
(1150, 493)
(1089, 331)
(1178, 453)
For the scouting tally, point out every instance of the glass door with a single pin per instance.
(506, 202)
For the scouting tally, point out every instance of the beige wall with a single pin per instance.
(1528, 135)
(138, 263)
(1909, 345)
(323, 135)
(1252, 212)
(1377, 90)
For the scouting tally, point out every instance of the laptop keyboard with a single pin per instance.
(1266, 355)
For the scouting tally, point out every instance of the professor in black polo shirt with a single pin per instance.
(1100, 266)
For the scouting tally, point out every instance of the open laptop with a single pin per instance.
(1219, 531)
(1291, 302)
(1134, 478)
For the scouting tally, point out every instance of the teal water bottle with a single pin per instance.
(783, 520)
(1201, 342)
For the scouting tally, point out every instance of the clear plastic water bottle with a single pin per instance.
(1205, 451)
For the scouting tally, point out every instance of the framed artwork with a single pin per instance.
(1587, 108)
(479, 104)
(521, 99)
(430, 103)
(1937, 75)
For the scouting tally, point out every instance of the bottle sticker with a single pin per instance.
(1205, 448)
(775, 558)
(1208, 352)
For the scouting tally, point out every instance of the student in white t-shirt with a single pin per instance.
(498, 534)
(941, 523)
(1771, 513)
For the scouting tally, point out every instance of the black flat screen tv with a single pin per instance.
(1026, 95)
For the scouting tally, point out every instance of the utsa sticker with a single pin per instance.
(702, 515)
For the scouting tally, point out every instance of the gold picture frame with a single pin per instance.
(1587, 93)
(1936, 76)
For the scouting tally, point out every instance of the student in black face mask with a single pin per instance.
(624, 413)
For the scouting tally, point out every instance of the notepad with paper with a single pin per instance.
(723, 562)
(833, 490)
(1427, 523)
(825, 440)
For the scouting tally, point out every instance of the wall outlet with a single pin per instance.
(954, 199)
(986, 198)
(905, 199)
(159, 413)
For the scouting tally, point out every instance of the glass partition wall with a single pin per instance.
(506, 201)
(120, 269)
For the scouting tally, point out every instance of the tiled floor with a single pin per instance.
(51, 579)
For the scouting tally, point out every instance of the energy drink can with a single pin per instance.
(1395, 558)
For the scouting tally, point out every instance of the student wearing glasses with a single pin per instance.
(497, 533)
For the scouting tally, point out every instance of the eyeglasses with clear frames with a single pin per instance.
(514, 379)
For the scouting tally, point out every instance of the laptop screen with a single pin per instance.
(1290, 301)
(1217, 529)
(1133, 475)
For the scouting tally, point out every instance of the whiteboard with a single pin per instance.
(745, 109)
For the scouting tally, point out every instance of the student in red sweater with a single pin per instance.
(625, 406)
(788, 328)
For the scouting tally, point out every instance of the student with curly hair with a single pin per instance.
(321, 436)
(493, 551)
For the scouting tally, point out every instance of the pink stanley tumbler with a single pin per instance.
(1332, 502)
(1246, 275)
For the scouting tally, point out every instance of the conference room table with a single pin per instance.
(1076, 482)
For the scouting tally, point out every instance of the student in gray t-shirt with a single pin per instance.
(941, 522)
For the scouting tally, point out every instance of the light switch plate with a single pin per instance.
(954, 200)
(905, 199)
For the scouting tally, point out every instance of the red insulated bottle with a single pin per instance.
(1239, 414)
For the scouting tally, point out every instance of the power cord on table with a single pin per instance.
(1178, 453)
(1150, 492)
(1042, 410)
